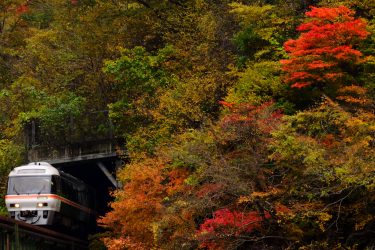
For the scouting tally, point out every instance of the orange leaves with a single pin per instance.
(326, 42)
(333, 76)
(354, 96)
(340, 13)
(140, 203)
(176, 179)
(226, 104)
(328, 140)
(123, 243)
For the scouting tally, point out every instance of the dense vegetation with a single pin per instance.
(249, 124)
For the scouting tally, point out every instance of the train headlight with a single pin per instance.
(16, 205)
(42, 204)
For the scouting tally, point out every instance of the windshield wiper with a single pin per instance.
(15, 190)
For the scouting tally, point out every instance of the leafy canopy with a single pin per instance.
(325, 54)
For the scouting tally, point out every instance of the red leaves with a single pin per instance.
(227, 223)
(300, 85)
(327, 40)
(232, 222)
(341, 13)
(319, 64)
(226, 104)
(22, 9)
(300, 75)
(263, 118)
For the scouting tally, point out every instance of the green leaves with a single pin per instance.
(61, 109)
(258, 83)
(11, 155)
(138, 71)
(262, 31)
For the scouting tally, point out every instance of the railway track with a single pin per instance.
(18, 235)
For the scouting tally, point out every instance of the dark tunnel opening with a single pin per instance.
(90, 173)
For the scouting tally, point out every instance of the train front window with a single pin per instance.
(30, 185)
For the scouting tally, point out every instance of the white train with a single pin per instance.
(40, 194)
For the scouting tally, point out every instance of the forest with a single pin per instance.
(248, 124)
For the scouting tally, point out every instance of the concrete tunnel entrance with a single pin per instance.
(86, 148)
(92, 173)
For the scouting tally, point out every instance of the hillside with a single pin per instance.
(248, 124)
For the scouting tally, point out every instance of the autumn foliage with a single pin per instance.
(139, 203)
(325, 49)
(226, 146)
(22, 9)
(264, 118)
(225, 224)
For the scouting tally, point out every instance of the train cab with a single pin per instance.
(40, 194)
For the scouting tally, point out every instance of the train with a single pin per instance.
(43, 195)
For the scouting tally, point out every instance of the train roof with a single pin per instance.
(35, 168)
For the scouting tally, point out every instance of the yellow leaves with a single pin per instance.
(208, 27)
(354, 122)
(319, 217)
(273, 191)
(243, 199)
(329, 143)
(251, 14)
(322, 219)
(201, 4)
(301, 217)
(257, 195)
(363, 221)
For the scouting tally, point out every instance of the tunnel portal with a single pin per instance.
(91, 173)
(86, 148)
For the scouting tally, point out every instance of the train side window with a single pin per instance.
(69, 190)
(82, 195)
(66, 189)
(56, 184)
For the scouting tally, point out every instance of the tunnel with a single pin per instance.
(90, 172)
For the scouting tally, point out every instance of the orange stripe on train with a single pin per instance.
(53, 196)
